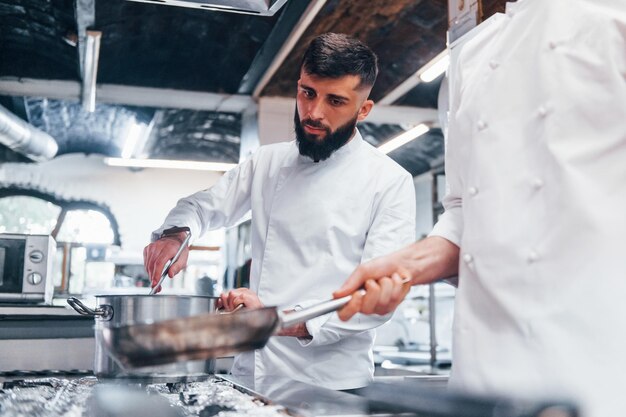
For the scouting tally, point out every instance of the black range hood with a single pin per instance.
(255, 7)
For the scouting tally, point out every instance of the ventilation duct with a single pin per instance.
(257, 7)
(24, 138)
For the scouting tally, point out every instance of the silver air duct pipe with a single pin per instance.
(24, 138)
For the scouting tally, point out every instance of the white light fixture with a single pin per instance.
(133, 135)
(435, 68)
(167, 163)
(427, 73)
(403, 138)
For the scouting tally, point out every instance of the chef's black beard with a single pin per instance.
(319, 150)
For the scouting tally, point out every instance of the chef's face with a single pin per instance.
(327, 111)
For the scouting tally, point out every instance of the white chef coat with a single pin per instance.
(536, 170)
(312, 224)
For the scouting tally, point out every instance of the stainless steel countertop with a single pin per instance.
(36, 310)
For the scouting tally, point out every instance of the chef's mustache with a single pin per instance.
(316, 124)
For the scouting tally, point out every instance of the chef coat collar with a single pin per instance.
(514, 7)
(346, 149)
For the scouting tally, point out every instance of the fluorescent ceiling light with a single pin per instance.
(403, 138)
(427, 73)
(133, 134)
(435, 68)
(167, 163)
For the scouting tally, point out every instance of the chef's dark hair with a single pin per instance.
(334, 55)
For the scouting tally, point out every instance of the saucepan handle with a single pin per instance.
(105, 312)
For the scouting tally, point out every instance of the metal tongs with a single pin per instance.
(171, 262)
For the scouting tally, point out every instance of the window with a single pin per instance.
(85, 226)
(28, 215)
(34, 212)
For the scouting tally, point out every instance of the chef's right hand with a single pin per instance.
(156, 255)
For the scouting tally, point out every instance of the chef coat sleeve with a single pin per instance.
(392, 227)
(223, 205)
(450, 223)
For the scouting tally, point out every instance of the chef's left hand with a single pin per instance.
(231, 299)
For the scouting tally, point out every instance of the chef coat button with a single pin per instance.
(542, 111)
(481, 125)
(493, 64)
(472, 191)
(532, 257)
(538, 183)
(467, 258)
(552, 45)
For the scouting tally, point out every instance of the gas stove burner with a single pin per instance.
(214, 396)
(45, 397)
(212, 410)
(156, 379)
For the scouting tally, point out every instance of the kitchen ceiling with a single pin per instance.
(160, 46)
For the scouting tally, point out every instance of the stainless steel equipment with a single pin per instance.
(253, 397)
(115, 311)
(26, 263)
(204, 336)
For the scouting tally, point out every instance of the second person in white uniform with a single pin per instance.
(534, 221)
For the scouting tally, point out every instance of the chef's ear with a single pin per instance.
(365, 109)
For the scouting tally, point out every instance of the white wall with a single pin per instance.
(139, 200)
(276, 120)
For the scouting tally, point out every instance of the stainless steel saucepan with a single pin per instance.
(126, 310)
(112, 311)
(204, 336)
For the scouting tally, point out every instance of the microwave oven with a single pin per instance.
(26, 263)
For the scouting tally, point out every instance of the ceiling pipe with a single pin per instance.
(24, 138)
(127, 95)
(92, 54)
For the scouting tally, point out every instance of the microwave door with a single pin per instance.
(11, 265)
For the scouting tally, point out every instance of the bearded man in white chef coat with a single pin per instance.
(320, 205)
(536, 169)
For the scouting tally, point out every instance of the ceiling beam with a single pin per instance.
(181, 99)
(285, 25)
(284, 107)
(127, 95)
(303, 23)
